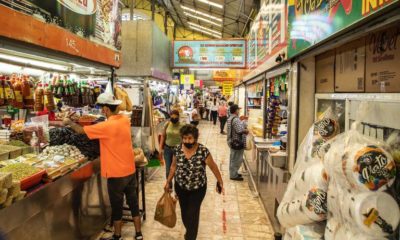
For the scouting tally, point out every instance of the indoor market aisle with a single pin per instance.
(237, 215)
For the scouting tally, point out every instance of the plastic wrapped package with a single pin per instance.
(5, 180)
(360, 168)
(304, 201)
(305, 232)
(3, 195)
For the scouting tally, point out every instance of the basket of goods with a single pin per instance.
(87, 120)
(26, 174)
(25, 148)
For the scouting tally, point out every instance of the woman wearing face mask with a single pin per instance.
(170, 140)
(189, 169)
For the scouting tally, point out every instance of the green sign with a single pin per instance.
(311, 21)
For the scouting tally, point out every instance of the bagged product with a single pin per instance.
(165, 210)
(3, 195)
(305, 199)
(360, 168)
(5, 180)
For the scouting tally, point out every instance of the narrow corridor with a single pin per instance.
(237, 215)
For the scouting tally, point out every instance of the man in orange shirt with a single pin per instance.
(116, 160)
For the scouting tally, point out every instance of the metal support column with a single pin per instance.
(153, 9)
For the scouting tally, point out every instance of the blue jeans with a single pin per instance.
(235, 161)
(168, 155)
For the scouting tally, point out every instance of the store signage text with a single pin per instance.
(382, 42)
(71, 44)
(84, 7)
(372, 5)
(307, 6)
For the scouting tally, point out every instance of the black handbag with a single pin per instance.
(235, 143)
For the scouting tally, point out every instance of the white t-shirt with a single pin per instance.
(214, 107)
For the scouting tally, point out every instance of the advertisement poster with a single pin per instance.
(98, 20)
(210, 54)
(312, 23)
(268, 33)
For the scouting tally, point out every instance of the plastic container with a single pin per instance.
(33, 180)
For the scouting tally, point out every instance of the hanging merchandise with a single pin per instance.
(39, 98)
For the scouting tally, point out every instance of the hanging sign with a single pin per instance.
(210, 54)
(227, 89)
(187, 79)
(312, 23)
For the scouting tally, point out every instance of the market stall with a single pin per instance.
(348, 93)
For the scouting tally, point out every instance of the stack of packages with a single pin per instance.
(337, 188)
(10, 190)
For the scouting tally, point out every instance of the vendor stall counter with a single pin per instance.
(76, 206)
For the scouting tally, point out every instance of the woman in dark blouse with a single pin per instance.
(189, 168)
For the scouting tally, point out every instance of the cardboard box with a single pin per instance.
(383, 61)
(350, 67)
(325, 72)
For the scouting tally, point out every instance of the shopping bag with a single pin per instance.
(249, 142)
(165, 210)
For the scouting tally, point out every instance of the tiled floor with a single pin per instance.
(235, 216)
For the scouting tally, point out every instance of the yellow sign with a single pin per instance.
(227, 89)
(227, 75)
(187, 79)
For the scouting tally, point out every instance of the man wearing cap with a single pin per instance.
(116, 160)
(236, 143)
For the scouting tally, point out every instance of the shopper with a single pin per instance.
(229, 108)
(223, 116)
(236, 143)
(189, 169)
(207, 106)
(214, 110)
(117, 160)
(170, 139)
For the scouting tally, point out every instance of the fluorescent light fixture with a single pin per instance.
(34, 63)
(10, 69)
(201, 13)
(204, 28)
(211, 3)
(203, 19)
(208, 69)
(205, 32)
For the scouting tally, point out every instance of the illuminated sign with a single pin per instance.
(311, 21)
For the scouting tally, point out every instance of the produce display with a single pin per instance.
(64, 150)
(19, 171)
(64, 135)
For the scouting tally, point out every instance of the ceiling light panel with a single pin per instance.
(202, 13)
(204, 28)
(205, 32)
(212, 3)
(202, 19)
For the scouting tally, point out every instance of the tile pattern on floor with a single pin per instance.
(235, 216)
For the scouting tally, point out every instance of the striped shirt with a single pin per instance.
(237, 127)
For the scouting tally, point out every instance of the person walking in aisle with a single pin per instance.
(214, 111)
(116, 159)
(229, 108)
(223, 115)
(207, 105)
(189, 169)
(236, 143)
(170, 139)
